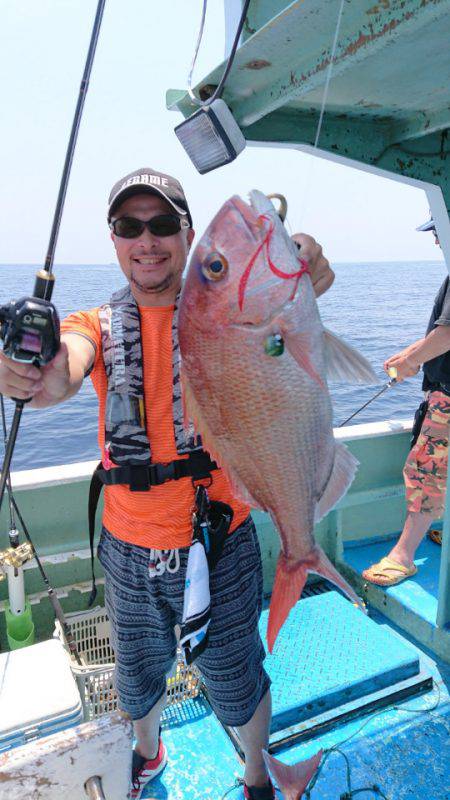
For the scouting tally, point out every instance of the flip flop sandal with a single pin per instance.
(435, 536)
(388, 572)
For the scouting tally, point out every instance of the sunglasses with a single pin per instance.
(161, 225)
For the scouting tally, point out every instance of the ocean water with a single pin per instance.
(378, 308)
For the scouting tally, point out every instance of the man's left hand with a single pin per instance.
(322, 275)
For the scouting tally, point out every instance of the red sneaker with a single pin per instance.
(143, 770)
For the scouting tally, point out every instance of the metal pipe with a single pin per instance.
(16, 589)
(93, 788)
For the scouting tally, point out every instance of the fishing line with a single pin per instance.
(308, 177)
(329, 71)
(336, 749)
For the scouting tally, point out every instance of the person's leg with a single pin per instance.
(146, 730)
(425, 475)
(254, 738)
(232, 664)
(142, 636)
(414, 529)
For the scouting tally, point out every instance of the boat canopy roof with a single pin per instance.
(388, 100)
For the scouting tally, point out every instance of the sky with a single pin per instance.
(146, 47)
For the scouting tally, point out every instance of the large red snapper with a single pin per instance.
(255, 361)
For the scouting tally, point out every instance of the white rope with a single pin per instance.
(163, 561)
(329, 71)
(308, 169)
(197, 47)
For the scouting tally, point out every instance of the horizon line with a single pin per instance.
(114, 264)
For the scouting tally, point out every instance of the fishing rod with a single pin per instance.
(392, 371)
(29, 327)
(13, 559)
(30, 331)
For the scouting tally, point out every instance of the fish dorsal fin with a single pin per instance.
(344, 363)
(192, 412)
(292, 779)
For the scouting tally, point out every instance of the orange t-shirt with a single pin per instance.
(162, 517)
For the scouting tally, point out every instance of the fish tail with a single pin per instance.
(290, 578)
(287, 588)
(292, 780)
(322, 566)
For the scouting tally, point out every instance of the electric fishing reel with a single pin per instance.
(29, 328)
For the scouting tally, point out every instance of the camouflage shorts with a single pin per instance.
(425, 470)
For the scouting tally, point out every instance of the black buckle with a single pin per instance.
(201, 465)
(139, 479)
(160, 473)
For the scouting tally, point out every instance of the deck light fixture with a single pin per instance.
(211, 136)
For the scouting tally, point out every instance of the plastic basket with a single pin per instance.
(95, 676)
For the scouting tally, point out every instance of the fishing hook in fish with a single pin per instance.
(286, 275)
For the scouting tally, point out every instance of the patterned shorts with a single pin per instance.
(143, 611)
(425, 470)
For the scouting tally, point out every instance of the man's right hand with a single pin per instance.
(46, 386)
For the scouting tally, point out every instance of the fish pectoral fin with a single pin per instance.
(299, 346)
(190, 408)
(344, 363)
(344, 469)
(292, 779)
(239, 489)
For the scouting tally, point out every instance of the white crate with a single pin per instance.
(95, 677)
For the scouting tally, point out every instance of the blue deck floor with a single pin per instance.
(405, 750)
(420, 593)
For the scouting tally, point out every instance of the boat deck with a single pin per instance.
(403, 749)
(419, 594)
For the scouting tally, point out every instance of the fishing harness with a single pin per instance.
(127, 457)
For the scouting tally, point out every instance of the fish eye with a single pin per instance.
(215, 267)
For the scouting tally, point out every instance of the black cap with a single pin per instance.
(147, 180)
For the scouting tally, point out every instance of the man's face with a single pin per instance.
(153, 265)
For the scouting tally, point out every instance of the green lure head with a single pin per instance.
(274, 345)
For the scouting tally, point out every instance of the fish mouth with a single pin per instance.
(250, 214)
(246, 211)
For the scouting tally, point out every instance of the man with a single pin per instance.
(425, 470)
(144, 546)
